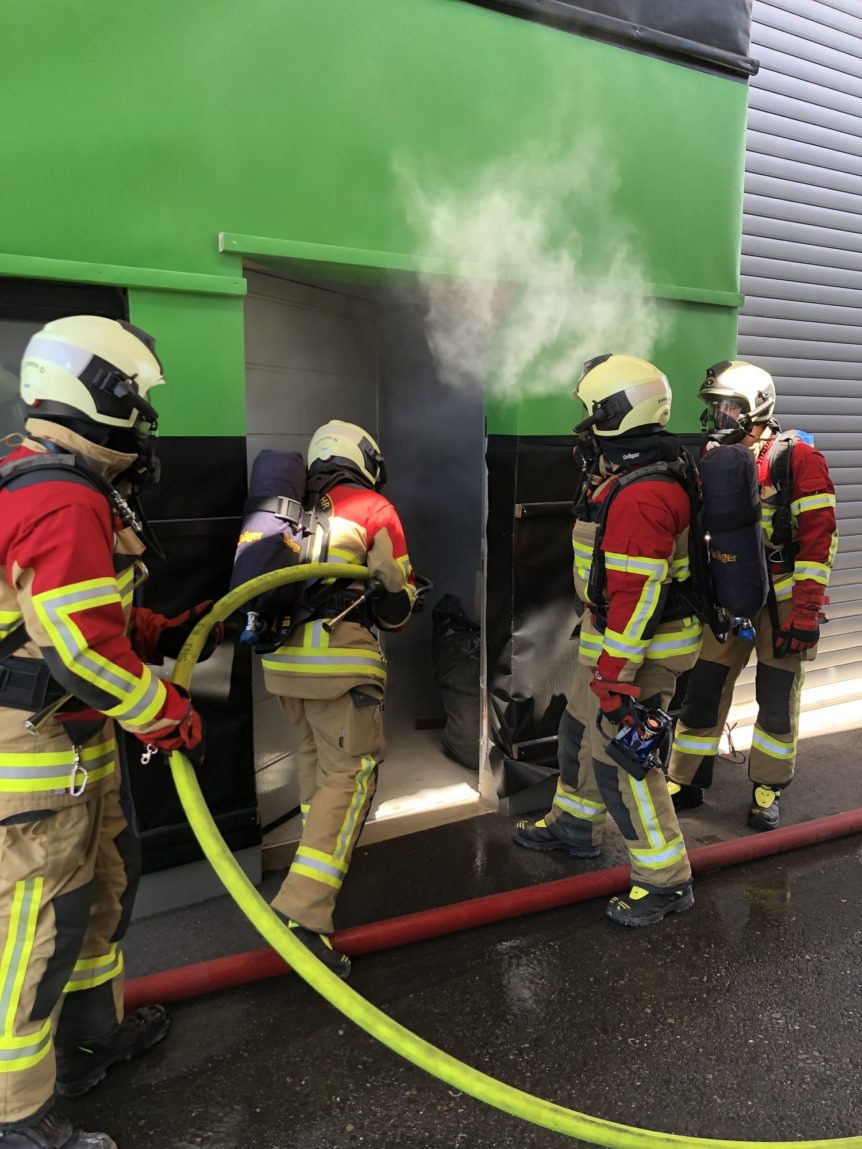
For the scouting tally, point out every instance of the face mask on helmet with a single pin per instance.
(738, 396)
(141, 440)
(725, 414)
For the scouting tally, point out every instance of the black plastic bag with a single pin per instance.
(455, 651)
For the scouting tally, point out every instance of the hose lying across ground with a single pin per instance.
(355, 1007)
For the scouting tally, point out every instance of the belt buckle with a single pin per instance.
(76, 789)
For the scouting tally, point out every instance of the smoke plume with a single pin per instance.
(540, 277)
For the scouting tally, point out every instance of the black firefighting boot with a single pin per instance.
(321, 947)
(80, 1067)
(684, 797)
(640, 907)
(540, 836)
(52, 1132)
(764, 813)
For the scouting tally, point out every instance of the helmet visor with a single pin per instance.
(724, 413)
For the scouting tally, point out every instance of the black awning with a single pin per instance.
(703, 33)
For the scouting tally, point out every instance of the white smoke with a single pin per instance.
(524, 312)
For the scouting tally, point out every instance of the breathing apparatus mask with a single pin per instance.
(738, 397)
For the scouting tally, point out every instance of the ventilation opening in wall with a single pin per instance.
(317, 351)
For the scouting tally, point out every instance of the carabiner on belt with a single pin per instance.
(76, 787)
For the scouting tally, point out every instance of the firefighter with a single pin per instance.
(70, 547)
(330, 679)
(740, 401)
(637, 635)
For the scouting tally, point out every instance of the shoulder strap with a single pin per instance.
(781, 478)
(665, 472)
(20, 473)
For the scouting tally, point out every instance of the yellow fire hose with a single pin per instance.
(355, 1007)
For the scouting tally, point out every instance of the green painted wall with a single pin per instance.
(139, 132)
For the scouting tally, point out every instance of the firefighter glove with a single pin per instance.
(616, 700)
(187, 736)
(155, 637)
(800, 632)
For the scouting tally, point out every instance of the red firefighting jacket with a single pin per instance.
(67, 569)
(364, 529)
(812, 508)
(645, 547)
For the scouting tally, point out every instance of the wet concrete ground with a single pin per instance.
(740, 1019)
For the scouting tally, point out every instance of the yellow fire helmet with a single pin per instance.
(623, 394)
(344, 445)
(90, 367)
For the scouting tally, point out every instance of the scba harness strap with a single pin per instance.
(692, 596)
(25, 683)
(782, 544)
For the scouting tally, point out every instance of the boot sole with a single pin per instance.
(81, 1086)
(548, 846)
(685, 903)
(760, 826)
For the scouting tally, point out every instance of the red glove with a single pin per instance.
(801, 630)
(616, 700)
(187, 735)
(154, 636)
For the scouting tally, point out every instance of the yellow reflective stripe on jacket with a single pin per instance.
(140, 699)
(90, 972)
(631, 564)
(342, 555)
(817, 572)
(686, 639)
(680, 569)
(811, 503)
(583, 558)
(783, 588)
(618, 646)
(589, 646)
(406, 568)
(22, 1051)
(316, 656)
(9, 619)
(126, 584)
(772, 746)
(630, 643)
(40, 771)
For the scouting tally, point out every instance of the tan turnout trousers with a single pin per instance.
(66, 883)
(591, 785)
(708, 699)
(341, 746)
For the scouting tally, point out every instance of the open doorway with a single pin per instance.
(321, 351)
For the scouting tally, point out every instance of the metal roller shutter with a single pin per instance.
(802, 273)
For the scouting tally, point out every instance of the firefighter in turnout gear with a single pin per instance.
(638, 633)
(798, 515)
(330, 679)
(70, 557)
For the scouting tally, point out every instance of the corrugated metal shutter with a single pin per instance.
(802, 269)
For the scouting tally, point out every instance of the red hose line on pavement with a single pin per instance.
(256, 965)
